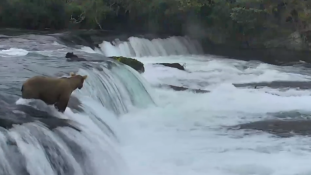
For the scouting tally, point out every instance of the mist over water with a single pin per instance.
(130, 127)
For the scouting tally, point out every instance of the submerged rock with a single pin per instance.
(135, 64)
(179, 88)
(173, 65)
(20, 114)
(282, 128)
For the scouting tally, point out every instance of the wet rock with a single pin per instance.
(173, 65)
(282, 128)
(53, 123)
(17, 114)
(278, 84)
(135, 64)
(21, 114)
(72, 57)
(179, 88)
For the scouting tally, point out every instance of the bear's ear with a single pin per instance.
(72, 74)
(84, 77)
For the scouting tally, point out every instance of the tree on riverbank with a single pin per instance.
(247, 22)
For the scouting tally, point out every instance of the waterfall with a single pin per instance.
(120, 89)
(140, 47)
(110, 90)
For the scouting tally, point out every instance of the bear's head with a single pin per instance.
(78, 79)
(69, 54)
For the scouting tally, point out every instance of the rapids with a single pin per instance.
(129, 127)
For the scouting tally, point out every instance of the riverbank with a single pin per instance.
(273, 32)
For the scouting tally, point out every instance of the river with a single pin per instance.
(129, 126)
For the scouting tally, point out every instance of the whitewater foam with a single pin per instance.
(138, 47)
(13, 52)
(213, 71)
(101, 153)
(186, 133)
(86, 49)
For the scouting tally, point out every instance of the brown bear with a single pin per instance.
(56, 91)
(72, 57)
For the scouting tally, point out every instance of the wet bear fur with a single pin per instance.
(72, 57)
(53, 91)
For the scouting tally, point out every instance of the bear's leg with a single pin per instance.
(62, 102)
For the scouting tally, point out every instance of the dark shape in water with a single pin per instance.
(96, 46)
(179, 88)
(282, 128)
(173, 65)
(278, 84)
(72, 57)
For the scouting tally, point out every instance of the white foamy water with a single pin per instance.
(97, 150)
(13, 52)
(87, 49)
(184, 134)
(156, 47)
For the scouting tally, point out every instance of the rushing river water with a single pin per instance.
(126, 126)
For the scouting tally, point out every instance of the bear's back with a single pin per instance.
(40, 81)
(48, 88)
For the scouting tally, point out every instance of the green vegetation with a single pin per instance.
(249, 22)
(135, 64)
